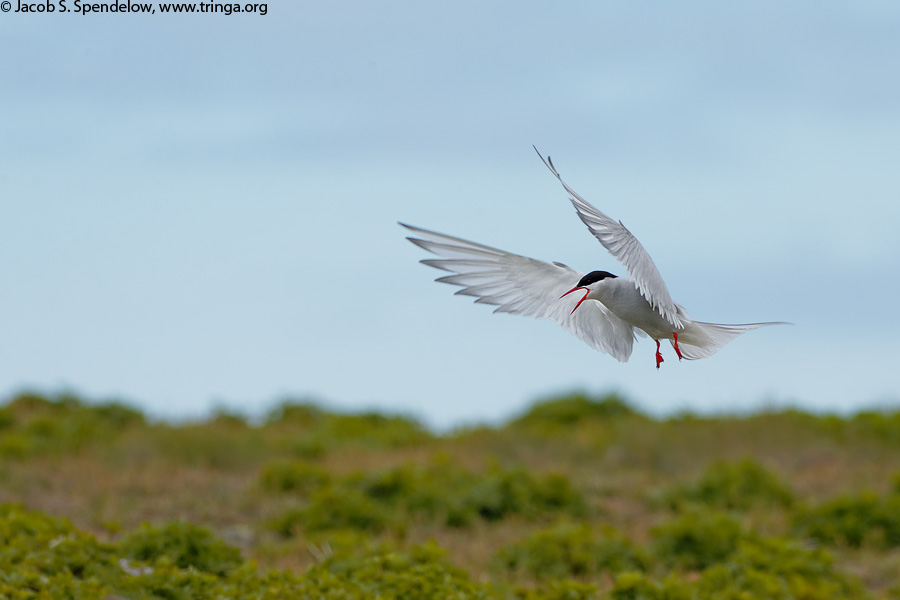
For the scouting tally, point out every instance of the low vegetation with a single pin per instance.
(578, 498)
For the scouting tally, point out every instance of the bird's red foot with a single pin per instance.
(659, 358)
(677, 349)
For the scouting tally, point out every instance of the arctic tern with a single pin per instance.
(622, 306)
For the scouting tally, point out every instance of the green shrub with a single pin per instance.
(859, 520)
(168, 582)
(293, 476)
(445, 491)
(772, 569)
(405, 485)
(309, 447)
(430, 492)
(503, 492)
(440, 491)
(37, 425)
(25, 405)
(211, 445)
(777, 570)
(302, 414)
(570, 410)
(223, 416)
(46, 557)
(182, 544)
(423, 572)
(28, 406)
(334, 509)
(15, 445)
(735, 486)
(116, 414)
(569, 551)
(560, 590)
(882, 425)
(697, 540)
(637, 586)
(7, 418)
(376, 430)
(311, 427)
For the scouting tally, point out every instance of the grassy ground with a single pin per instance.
(577, 498)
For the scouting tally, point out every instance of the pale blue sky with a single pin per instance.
(202, 209)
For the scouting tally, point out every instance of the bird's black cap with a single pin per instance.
(593, 277)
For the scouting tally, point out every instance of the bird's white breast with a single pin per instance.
(622, 297)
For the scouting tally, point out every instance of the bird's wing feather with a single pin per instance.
(625, 248)
(524, 286)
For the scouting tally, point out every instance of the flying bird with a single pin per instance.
(605, 311)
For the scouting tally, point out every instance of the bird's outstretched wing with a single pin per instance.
(625, 248)
(524, 286)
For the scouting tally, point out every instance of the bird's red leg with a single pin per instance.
(677, 349)
(659, 357)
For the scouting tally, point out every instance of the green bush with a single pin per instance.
(857, 520)
(213, 445)
(440, 491)
(503, 492)
(293, 476)
(882, 425)
(26, 405)
(7, 418)
(777, 570)
(15, 445)
(45, 557)
(426, 492)
(313, 430)
(570, 410)
(116, 414)
(569, 551)
(423, 572)
(735, 486)
(772, 569)
(560, 590)
(500, 493)
(36, 425)
(302, 414)
(334, 509)
(168, 582)
(182, 544)
(532, 535)
(223, 416)
(697, 540)
(637, 586)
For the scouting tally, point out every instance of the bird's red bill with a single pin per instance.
(586, 292)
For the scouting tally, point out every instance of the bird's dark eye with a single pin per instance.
(593, 277)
